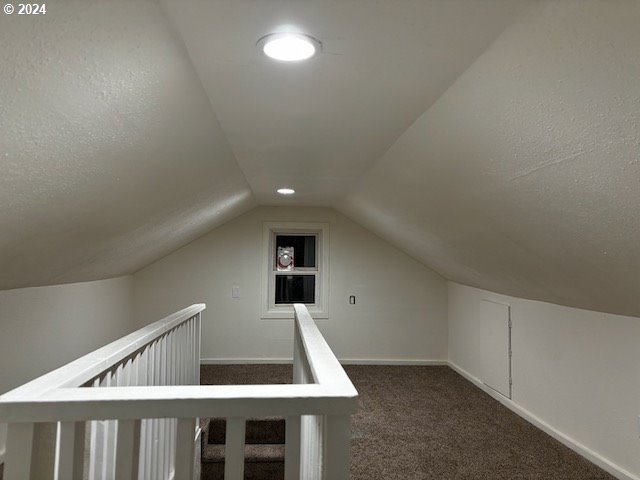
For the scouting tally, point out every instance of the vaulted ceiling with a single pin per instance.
(498, 142)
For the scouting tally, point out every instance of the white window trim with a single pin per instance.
(321, 308)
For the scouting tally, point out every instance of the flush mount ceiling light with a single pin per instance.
(289, 47)
(286, 191)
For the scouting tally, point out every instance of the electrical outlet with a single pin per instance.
(352, 300)
(235, 291)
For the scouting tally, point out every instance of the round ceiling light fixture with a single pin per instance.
(289, 47)
(286, 191)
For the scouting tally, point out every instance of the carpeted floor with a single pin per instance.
(428, 423)
(419, 423)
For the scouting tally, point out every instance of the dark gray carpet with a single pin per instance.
(429, 423)
(419, 423)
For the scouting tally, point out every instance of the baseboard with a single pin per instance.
(391, 361)
(577, 447)
(244, 361)
(345, 361)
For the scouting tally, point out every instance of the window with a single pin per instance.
(295, 269)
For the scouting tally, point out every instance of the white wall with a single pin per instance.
(401, 304)
(45, 327)
(576, 370)
(522, 178)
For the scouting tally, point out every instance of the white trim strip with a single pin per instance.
(393, 361)
(244, 361)
(569, 442)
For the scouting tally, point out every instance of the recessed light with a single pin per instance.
(286, 191)
(289, 47)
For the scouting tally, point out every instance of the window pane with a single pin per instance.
(304, 249)
(295, 289)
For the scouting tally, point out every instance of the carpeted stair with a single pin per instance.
(264, 448)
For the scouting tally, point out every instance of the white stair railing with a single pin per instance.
(129, 410)
(166, 352)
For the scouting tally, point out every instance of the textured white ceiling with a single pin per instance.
(318, 125)
(504, 159)
(110, 153)
(524, 177)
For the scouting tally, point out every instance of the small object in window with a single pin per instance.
(285, 259)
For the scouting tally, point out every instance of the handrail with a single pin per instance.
(148, 394)
(325, 367)
(77, 372)
(125, 403)
(28, 404)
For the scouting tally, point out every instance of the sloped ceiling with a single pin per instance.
(319, 125)
(110, 153)
(497, 141)
(524, 177)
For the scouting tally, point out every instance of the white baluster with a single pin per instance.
(188, 356)
(185, 355)
(185, 352)
(167, 367)
(164, 426)
(189, 352)
(172, 423)
(65, 450)
(234, 449)
(154, 473)
(95, 443)
(311, 447)
(109, 435)
(17, 465)
(141, 376)
(175, 357)
(128, 373)
(150, 373)
(180, 356)
(128, 437)
(185, 453)
(198, 340)
(195, 374)
(161, 453)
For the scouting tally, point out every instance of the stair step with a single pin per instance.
(252, 454)
(264, 448)
(252, 471)
(270, 430)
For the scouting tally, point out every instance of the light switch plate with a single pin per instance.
(235, 291)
